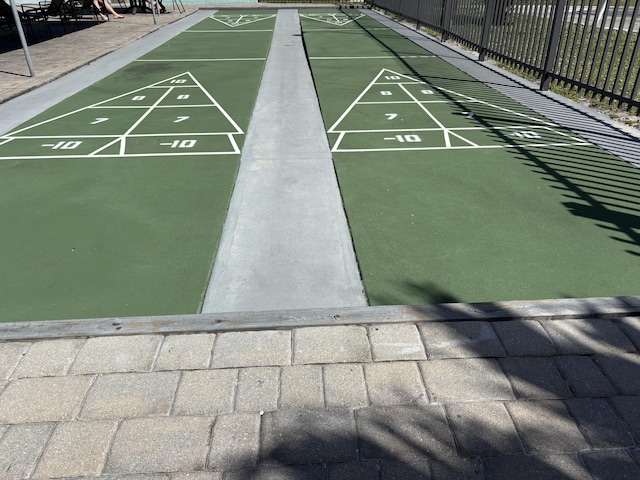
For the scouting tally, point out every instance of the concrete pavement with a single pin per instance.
(537, 390)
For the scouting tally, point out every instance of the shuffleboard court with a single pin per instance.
(454, 192)
(113, 201)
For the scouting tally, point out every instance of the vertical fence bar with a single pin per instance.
(616, 47)
(607, 44)
(486, 29)
(625, 52)
(552, 45)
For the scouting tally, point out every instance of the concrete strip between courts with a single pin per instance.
(286, 243)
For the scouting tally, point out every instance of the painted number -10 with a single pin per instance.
(181, 144)
(407, 138)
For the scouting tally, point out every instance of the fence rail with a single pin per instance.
(589, 45)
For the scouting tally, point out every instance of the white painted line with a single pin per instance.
(240, 19)
(171, 60)
(126, 155)
(169, 85)
(497, 107)
(533, 145)
(376, 57)
(227, 31)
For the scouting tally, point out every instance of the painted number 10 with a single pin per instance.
(65, 145)
(181, 144)
(407, 138)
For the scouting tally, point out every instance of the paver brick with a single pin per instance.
(611, 465)
(284, 472)
(587, 336)
(630, 326)
(405, 470)
(309, 436)
(160, 444)
(599, 423)
(252, 349)
(196, 476)
(483, 428)
(301, 387)
(406, 433)
(140, 476)
(353, 470)
(76, 449)
(628, 408)
(546, 427)
(473, 339)
(21, 447)
(48, 358)
(396, 342)
(206, 392)
(523, 338)
(623, 371)
(344, 386)
(117, 354)
(235, 442)
(335, 344)
(456, 468)
(127, 395)
(394, 383)
(10, 354)
(535, 378)
(463, 380)
(258, 389)
(43, 399)
(535, 467)
(185, 352)
(584, 377)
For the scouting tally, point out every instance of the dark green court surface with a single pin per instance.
(112, 203)
(454, 192)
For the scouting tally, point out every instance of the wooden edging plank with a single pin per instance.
(557, 309)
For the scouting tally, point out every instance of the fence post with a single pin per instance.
(486, 28)
(552, 45)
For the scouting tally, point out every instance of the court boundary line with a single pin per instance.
(448, 132)
(122, 137)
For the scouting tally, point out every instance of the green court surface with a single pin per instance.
(453, 192)
(112, 202)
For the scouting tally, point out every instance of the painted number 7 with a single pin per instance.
(390, 116)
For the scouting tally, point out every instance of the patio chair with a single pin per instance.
(29, 17)
(62, 10)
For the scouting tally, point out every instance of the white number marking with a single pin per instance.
(405, 138)
(526, 134)
(181, 144)
(64, 145)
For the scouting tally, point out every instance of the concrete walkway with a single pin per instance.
(286, 243)
(539, 390)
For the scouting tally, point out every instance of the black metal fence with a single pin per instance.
(589, 45)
